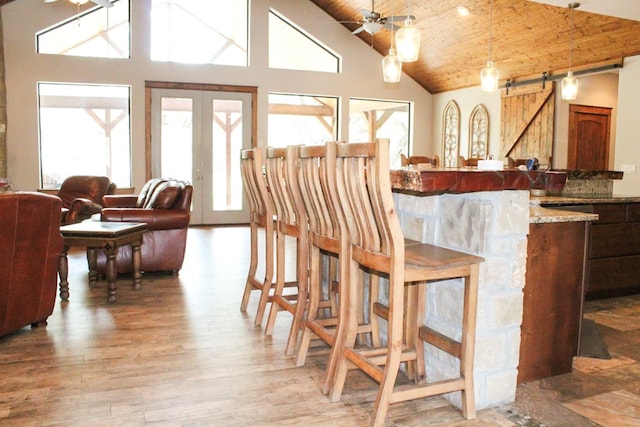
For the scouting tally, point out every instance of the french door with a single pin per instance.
(196, 136)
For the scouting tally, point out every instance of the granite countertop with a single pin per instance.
(432, 181)
(539, 215)
(582, 199)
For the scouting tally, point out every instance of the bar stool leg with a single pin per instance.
(253, 266)
(468, 341)
(267, 283)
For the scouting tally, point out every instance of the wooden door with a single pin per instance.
(589, 129)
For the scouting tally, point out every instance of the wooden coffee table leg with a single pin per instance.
(112, 274)
(92, 261)
(137, 264)
(63, 271)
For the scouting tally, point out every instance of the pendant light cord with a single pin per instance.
(490, 25)
(573, 6)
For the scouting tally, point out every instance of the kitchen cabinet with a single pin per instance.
(614, 251)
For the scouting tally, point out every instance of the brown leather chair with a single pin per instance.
(82, 195)
(164, 205)
(30, 245)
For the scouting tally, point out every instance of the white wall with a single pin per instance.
(361, 75)
(467, 100)
(627, 149)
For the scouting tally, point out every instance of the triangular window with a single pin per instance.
(98, 32)
(292, 48)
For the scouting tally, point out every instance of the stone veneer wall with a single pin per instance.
(493, 225)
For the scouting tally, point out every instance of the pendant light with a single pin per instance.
(408, 39)
(489, 75)
(391, 65)
(570, 83)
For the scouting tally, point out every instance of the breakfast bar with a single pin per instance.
(486, 213)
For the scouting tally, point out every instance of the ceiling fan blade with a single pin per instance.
(359, 30)
(389, 26)
(103, 3)
(369, 14)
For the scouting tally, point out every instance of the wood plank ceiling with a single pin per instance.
(528, 38)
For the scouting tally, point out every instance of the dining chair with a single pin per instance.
(377, 245)
(291, 228)
(261, 220)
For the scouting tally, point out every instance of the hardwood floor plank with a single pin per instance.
(179, 352)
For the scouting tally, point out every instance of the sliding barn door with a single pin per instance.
(527, 123)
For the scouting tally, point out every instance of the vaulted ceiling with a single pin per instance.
(528, 38)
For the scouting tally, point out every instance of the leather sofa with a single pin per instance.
(30, 246)
(164, 205)
(82, 195)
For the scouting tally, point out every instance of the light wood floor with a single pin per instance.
(180, 353)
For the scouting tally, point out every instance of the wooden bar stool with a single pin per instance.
(377, 246)
(261, 217)
(324, 241)
(282, 178)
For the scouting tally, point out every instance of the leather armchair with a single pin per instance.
(30, 246)
(82, 195)
(164, 205)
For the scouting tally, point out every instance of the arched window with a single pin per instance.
(479, 133)
(451, 134)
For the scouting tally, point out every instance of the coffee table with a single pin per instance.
(109, 236)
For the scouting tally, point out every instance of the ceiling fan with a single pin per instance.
(103, 3)
(372, 21)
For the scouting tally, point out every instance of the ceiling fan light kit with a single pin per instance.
(569, 86)
(489, 75)
(408, 41)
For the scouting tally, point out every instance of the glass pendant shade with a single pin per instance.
(408, 42)
(489, 77)
(569, 87)
(391, 67)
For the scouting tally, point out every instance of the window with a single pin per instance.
(302, 119)
(200, 32)
(479, 133)
(451, 134)
(98, 32)
(84, 130)
(293, 49)
(370, 119)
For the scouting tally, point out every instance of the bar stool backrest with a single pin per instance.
(314, 181)
(285, 191)
(255, 184)
(364, 191)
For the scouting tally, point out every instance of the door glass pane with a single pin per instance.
(226, 145)
(177, 134)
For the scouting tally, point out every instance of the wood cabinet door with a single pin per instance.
(588, 137)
